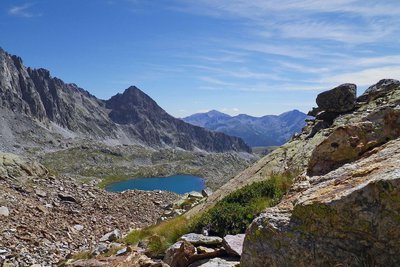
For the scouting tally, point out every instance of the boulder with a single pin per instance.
(382, 88)
(4, 211)
(198, 239)
(206, 192)
(339, 99)
(78, 227)
(123, 251)
(195, 194)
(179, 253)
(348, 217)
(111, 236)
(216, 262)
(66, 197)
(207, 253)
(101, 248)
(234, 244)
(40, 193)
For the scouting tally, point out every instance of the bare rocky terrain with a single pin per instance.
(50, 218)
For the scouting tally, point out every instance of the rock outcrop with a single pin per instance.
(51, 109)
(12, 166)
(376, 114)
(343, 207)
(348, 217)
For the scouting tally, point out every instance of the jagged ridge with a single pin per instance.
(128, 118)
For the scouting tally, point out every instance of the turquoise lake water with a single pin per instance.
(177, 183)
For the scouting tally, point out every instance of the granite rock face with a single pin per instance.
(56, 108)
(12, 166)
(343, 206)
(347, 217)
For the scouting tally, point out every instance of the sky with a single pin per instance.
(253, 57)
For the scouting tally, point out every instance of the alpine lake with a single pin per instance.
(179, 184)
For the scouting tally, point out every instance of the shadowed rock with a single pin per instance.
(340, 99)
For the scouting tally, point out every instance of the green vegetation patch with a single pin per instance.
(159, 237)
(234, 213)
(231, 215)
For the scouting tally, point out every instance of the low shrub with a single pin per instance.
(234, 213)
(159, 237)
(231, 215)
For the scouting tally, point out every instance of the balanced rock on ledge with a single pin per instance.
(340, 99)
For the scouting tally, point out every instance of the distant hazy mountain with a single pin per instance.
(270, 130)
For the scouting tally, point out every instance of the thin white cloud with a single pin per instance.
(215, 81)
(383, 60)
(360, 21)
(365, 77)
(263, 88)
(22, 11)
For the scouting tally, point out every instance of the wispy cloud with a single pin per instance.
(357, 21)
(23, 11)
(365, 77)
(308, 45)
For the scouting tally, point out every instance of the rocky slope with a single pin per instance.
(343, 205)
(44, 219)
(47, 111)
(268, 130)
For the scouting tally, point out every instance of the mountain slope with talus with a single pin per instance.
(46, 110)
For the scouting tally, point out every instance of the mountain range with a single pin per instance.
(269, 130)
(37, 108)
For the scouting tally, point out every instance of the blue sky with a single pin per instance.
(256, 57)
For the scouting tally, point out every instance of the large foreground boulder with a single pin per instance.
(348, 217)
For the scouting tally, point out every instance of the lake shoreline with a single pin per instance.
(179, 184)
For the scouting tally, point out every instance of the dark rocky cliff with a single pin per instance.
(128, 118)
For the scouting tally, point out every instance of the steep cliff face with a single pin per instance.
(128, 118)
(343, 208)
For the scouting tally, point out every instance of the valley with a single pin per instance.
(333, 183)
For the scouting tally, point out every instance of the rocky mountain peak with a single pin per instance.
(50, 108)
(129, 106)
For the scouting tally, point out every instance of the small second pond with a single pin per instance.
(179, 184)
